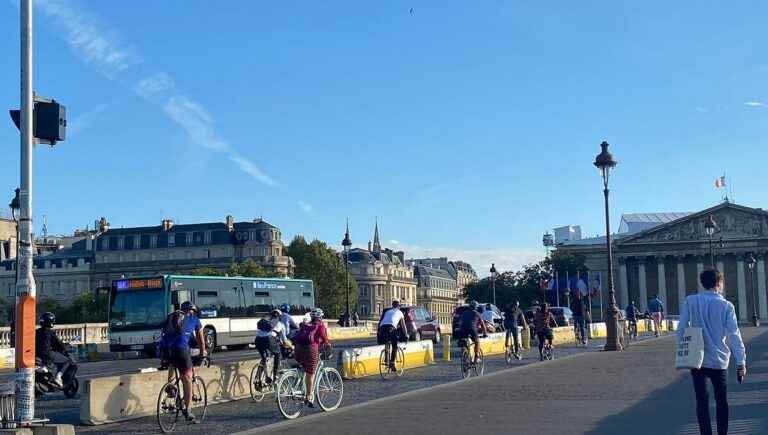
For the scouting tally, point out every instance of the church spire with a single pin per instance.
(376, 241)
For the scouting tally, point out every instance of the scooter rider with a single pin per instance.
(47, 344)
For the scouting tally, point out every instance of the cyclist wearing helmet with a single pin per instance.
(47, 344)
(270, 335)
(543, 322)
(285, 318)
(468, 326)
(180, 327)
(308, 340)
(391, 321)
(513, 318)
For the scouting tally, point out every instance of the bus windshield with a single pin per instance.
(137, 309)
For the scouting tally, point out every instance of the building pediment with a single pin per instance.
(733, 222)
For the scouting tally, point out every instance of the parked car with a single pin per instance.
(563, 316)
(457, 312)
(421, 324)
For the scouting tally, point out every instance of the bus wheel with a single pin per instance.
(210, 339)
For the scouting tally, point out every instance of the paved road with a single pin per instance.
(244, 414)
(597, 393)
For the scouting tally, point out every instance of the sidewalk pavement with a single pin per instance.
(637, 391)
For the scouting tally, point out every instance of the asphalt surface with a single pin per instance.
(244, 414)
(607, 393)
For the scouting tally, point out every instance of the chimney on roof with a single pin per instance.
(167, 224)
(230, 223)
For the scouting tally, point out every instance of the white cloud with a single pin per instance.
(511, 259)
(89, 40)
(85, 120)
(154, 85)
(98, 46)
(755, 104)
(701, 109)
(307, 208)
(394, 242)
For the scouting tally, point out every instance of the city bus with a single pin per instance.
(229, 307)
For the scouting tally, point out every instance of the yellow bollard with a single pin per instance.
(525, 338)
(446, 347)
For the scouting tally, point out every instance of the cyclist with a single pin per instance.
(513, 318)
(632, 315)
(270, 336)
(47, 344)
(656, 307)
(468, 326)
(285, 318)
(308, 340)
(579, 322)
(179, 327)
(392, 320)
(543, 322)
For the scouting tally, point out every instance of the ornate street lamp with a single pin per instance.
(710, 226)
(494, 276)
(347, 243)
(605, 163)
(548, 241)
(751, 262)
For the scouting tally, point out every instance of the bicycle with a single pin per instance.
(291, 389)
(632, 329)
(386, 371)
(468, 364)
(548, 352)
(258, 385)
(510, 354)
(170, 401)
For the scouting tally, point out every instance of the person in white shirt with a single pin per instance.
(490, 316)
(391, 320)
(270, 335)
(285, 317)
(716, 316)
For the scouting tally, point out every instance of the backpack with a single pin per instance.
(307, 333)
(174, 324)
(264, 325)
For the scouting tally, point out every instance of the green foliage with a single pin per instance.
(248, 268)
(207, 271)
(85, 308)
(525, 285)
(320, 263)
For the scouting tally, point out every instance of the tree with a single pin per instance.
(248, 268)
(207, 271)
(320, 263)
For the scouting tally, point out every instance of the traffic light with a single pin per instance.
(49, 123)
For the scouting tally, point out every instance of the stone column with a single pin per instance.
(699, 269)
(741, 288)
(662, 281)
(624, 291)
(761, 296)
(643, 290)
(680, 282)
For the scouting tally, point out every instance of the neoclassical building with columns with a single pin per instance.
(666, 256)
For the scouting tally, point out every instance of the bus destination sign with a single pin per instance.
(136, 284)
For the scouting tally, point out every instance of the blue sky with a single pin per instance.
(467, 129)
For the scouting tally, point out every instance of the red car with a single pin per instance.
(421, 324)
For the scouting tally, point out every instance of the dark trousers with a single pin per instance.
(718, 379)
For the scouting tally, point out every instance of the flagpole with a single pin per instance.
(557, 288)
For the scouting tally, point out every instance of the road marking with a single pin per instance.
(736, 427)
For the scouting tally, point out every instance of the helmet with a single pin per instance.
(47, 320)
(188, 306)
(285, 308)
(316, 313)
(275, 313)
(473, 304)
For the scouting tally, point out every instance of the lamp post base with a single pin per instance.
(613, 338)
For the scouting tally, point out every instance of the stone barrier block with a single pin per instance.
(54, 429)
(364, 361)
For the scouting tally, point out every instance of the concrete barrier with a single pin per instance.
(7, 358)
(119, 398)
(349, 333)
(364, 361)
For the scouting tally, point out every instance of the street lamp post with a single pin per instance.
(710, 226)
(347, 243)
(605, 163)
(751, 262)
(494, 275)
(548, 241)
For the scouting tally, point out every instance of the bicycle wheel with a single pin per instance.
(509, 355)
(466, 363)
(385, 371)
(290, 394)
(479, 368)
(399, 362)
(549, 353)
(330, 389)
(168, 407)
(199, 398)
(258, 383)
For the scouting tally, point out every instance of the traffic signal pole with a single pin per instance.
(25, 282)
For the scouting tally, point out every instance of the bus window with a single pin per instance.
(178, 298)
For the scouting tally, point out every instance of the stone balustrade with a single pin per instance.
(77, 333)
